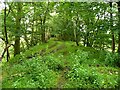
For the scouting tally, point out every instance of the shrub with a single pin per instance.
(112, 59)
(80, 57)
(53, 63)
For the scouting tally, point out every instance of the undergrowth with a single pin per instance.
(85, 68)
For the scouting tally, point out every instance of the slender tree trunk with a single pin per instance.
(87, 39)
(17, 36)
(76, 31)
(75, 35)
(118, 63)
(84, 41)
(113, 42)
(43, 34)
(43, 24)
(5, 31)
(111, 25)
(32, 34)
(34, 39)
(119, 42)
(25, 35)
(119, 28)
(76, 39)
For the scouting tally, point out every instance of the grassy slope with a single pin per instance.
(20, 69)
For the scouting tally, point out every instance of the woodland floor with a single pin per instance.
(57, 48)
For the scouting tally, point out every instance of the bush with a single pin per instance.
(80, 57)
(112, 59)
(53, 63)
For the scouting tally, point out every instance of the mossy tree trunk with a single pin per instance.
(17, 31)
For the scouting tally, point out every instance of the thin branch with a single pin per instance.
(1, 57)
(12, 10)
(2, 38)
(9, 10)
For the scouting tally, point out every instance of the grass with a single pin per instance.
(61, 65)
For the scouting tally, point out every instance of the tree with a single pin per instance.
(118, 27)
(5, 31)
(84, 23)
(17, 30)
(111, 26)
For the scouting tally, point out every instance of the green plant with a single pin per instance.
(112, 59)
(86, 77)
(30, 74)
(53, 63)
(82, 77)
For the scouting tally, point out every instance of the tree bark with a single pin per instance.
(5, 31)
(17, 34)
(43, 24)
(76, 31)
(87, 40)
(111, 25)
(119, 42)
(118, 27)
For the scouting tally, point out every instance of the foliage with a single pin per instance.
(85, 69)
(112, 59)
(53, 63)
(86, 77)
(87, 33)
(30, 74)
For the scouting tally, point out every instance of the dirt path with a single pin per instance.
(43, 51)
(61, 79)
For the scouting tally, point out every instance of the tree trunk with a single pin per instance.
(84, 41)
(43, 24)
(76, 31)
(17, 34)
(32, 34)
(87, 40)
(75, 36)
(43, 34)
(113, 42)
(25, 34)
(5, 31)
(119, 27)
(111, 25)
(119, 43)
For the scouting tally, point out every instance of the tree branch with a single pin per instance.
(9, 10)
(12, 10)
(2, 39)
(5, 51)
